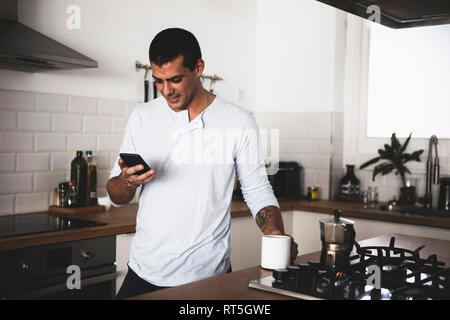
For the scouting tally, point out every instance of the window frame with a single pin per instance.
(358, 147)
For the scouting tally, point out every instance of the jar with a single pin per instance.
(72, 195)
(63, 194)
(313, 193)
(56, 201)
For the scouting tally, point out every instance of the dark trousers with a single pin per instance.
(133, 285)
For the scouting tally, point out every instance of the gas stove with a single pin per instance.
(373, 273)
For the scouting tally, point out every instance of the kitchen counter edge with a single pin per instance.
(122, 220)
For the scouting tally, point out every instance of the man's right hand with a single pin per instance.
(122, 192)
(133, 179)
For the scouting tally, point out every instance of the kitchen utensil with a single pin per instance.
(337, 235)
(444, 195)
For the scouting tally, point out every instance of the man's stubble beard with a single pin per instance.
(187, 102)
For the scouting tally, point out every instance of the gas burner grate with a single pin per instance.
(404, 272)
(403, 275)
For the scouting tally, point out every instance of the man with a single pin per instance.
(183, 222)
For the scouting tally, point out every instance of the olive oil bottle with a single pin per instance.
(78, 174)
(91, 194)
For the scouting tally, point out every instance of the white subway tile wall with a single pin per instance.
(305, 137)
(39, 134)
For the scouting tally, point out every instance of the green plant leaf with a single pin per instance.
(396, 146)
(383, 154)
(405, 145)
(368, 163)
(389, 151)
(383, 168)
(395, 157)
(416, 155)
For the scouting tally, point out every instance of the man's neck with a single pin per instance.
(200, 103)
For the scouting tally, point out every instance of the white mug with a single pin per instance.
(275, 251)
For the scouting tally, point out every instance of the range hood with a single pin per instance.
(398, 13)
(25, 49)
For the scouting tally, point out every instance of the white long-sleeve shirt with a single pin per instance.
(183, 221)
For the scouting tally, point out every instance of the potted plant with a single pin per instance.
(396, 158)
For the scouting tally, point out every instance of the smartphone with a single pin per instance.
(133, 159)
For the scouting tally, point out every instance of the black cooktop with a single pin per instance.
(23, 224)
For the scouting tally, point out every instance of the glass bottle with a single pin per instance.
(63, 189)
(72, 195)
(373, 196)
(349, 184)
(78, 174)
(91, 195)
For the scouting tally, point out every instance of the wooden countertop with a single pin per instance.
(234, 286)
(123, 220)
(356, 210)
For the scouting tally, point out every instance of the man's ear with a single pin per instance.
(199, 67)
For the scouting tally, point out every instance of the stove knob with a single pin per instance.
(280, 274)
(86, 255)
(25, 266)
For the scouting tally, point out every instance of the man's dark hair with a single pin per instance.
(171, 43)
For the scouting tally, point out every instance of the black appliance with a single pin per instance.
(286, 183)
(42, 272)
(444, 195)
(404, 276)
(25, 49)
(398, 13)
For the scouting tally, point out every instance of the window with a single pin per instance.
(377, 93)
(408, 81)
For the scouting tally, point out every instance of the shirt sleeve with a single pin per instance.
(251, 171)
(127, 146)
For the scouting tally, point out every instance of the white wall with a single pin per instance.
(40, 133)
(284, 56)
(300, 52)
(117, 33)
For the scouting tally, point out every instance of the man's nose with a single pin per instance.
(167, 89)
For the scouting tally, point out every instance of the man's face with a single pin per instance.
(176, 83)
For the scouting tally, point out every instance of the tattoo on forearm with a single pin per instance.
(268, 219)
(262, 217)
